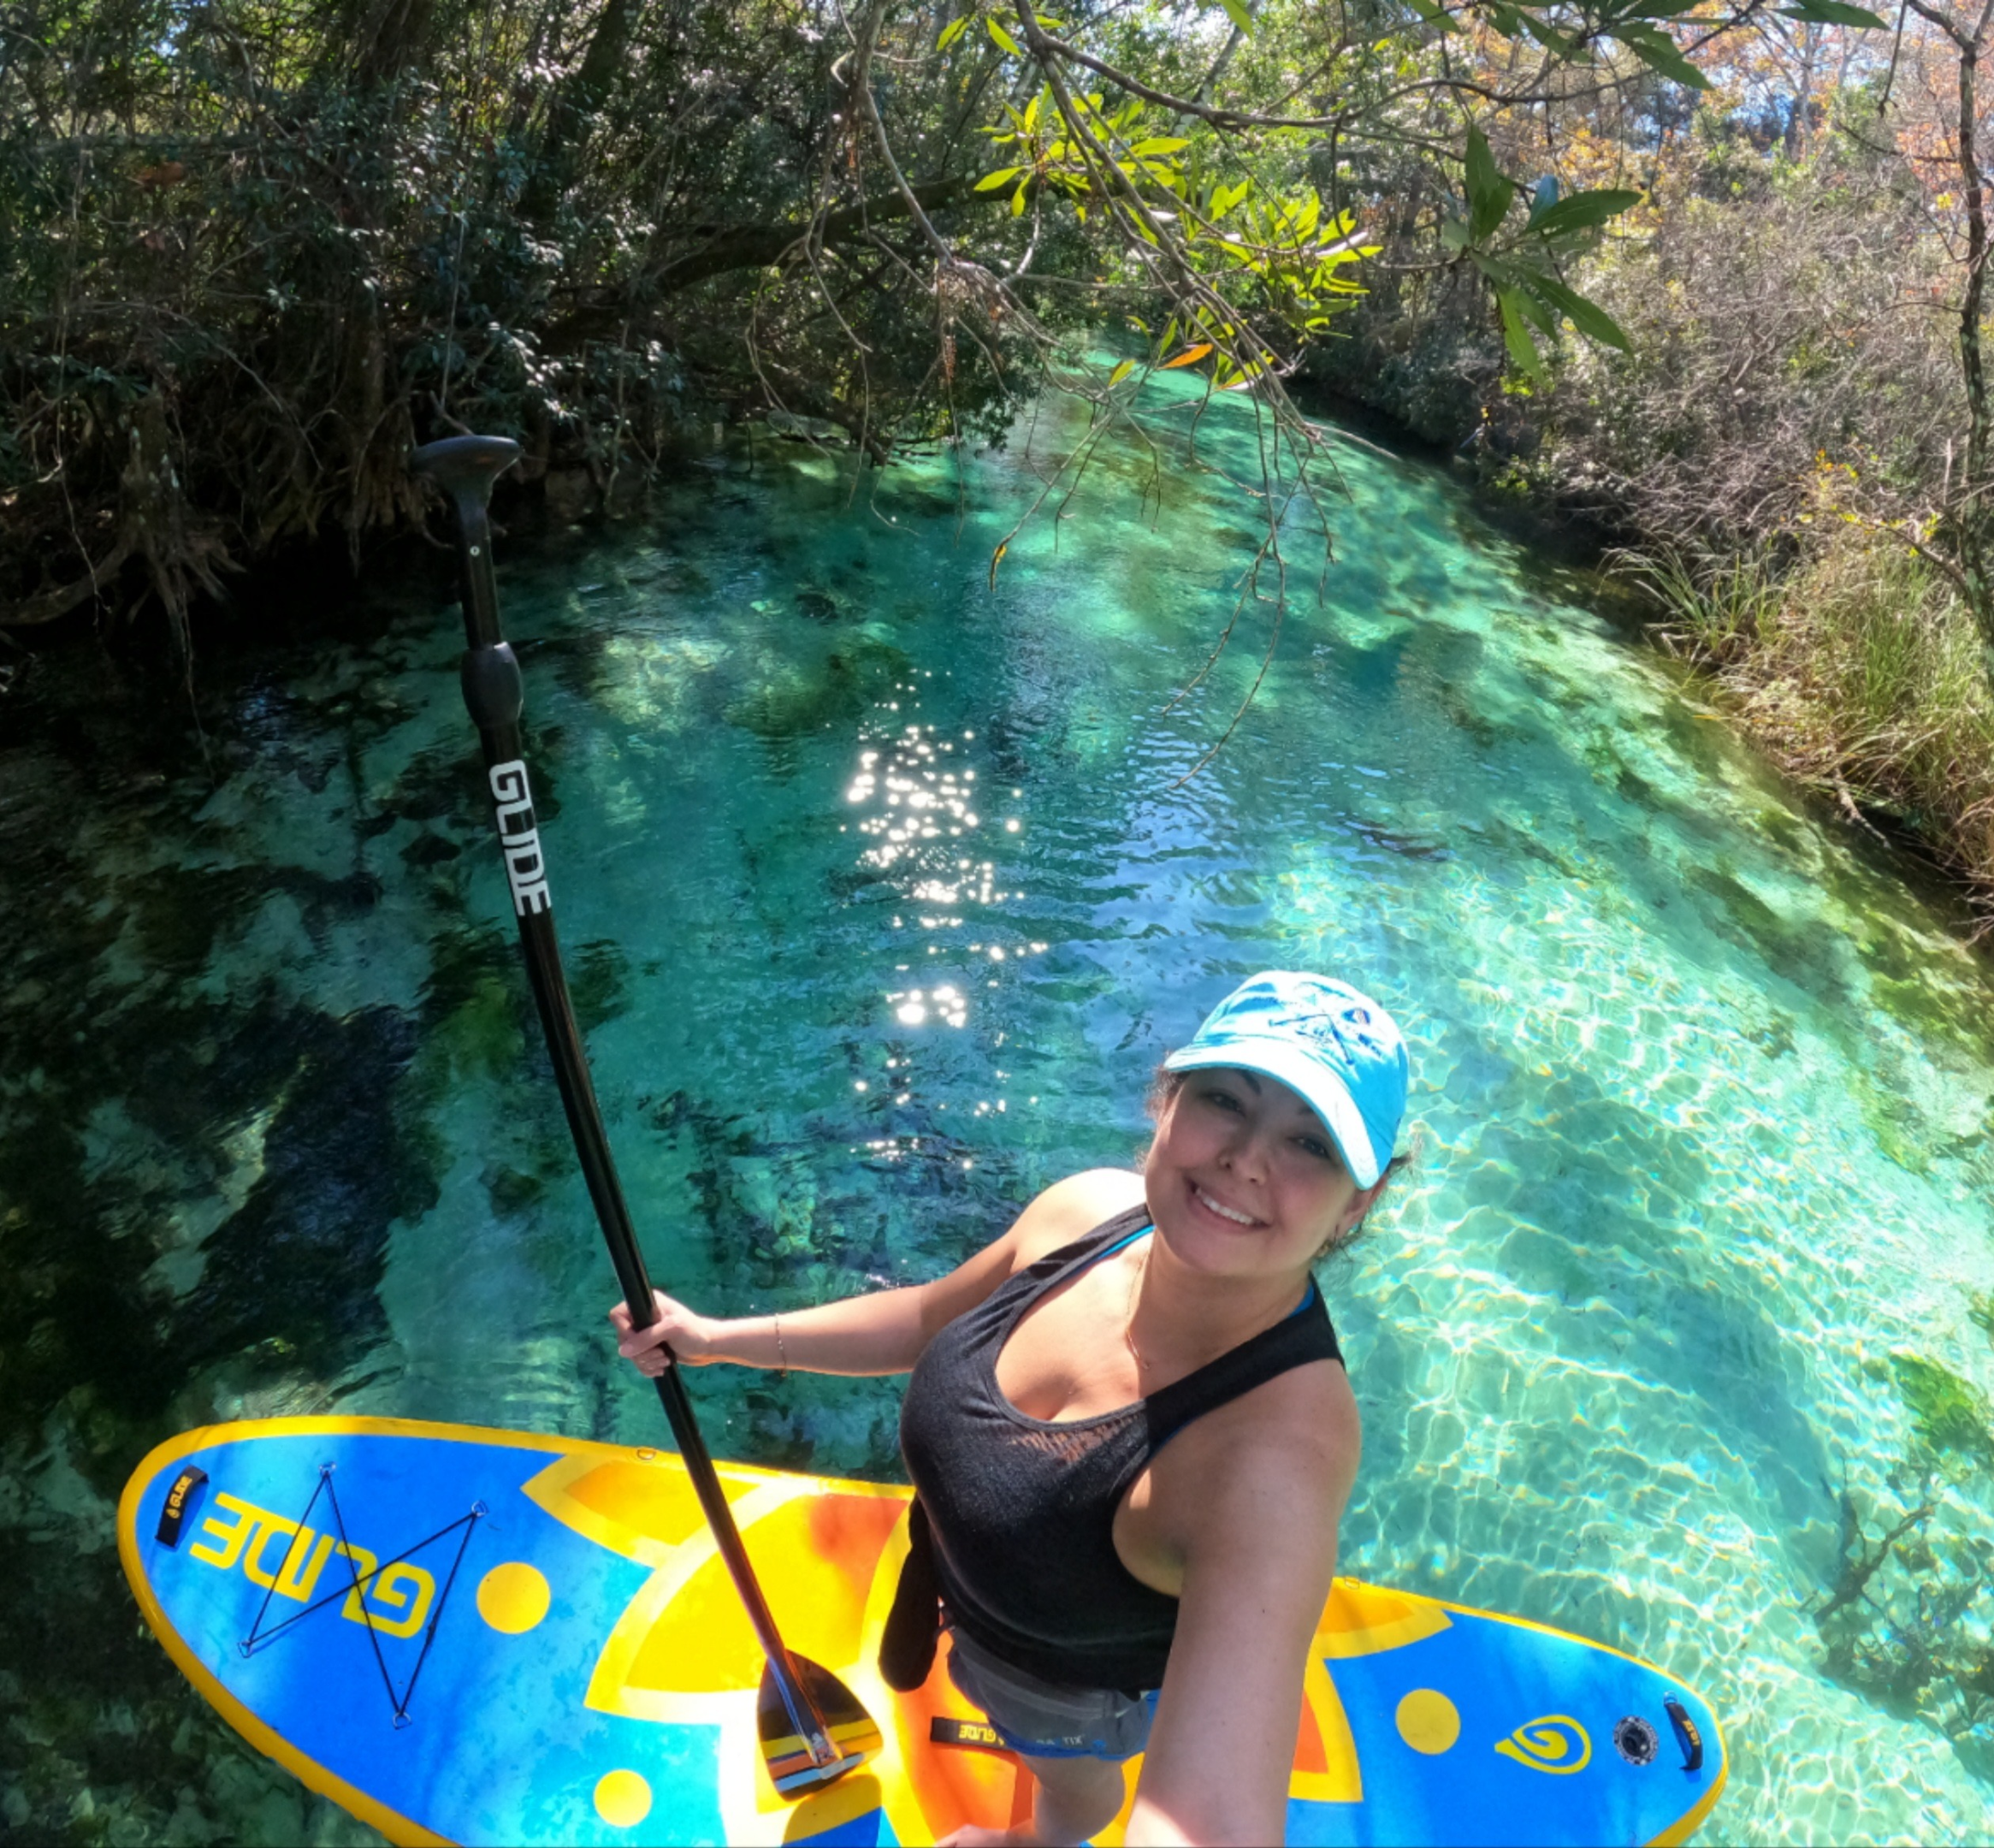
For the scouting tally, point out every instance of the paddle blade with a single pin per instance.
(849, 1729)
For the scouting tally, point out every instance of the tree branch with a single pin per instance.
(756, 247)
(50, 604)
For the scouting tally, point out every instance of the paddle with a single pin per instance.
(812, 1728)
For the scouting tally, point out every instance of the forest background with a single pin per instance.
(1709, 279)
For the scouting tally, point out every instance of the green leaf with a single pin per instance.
(1589, 318)
(1160, 145)
(1237, 13)
(1018, 201)
(1833, 13)
(1672, 65)
(953, 31)
(1453, 234)
(1488, 192)
(1536, 313)
(1121, 371)
(1553, 40)
(1004, 41)
(991, 181)
(1662, 54)
(1516, 337)
(1584, 210)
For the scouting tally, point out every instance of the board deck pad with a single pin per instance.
(495, 1637)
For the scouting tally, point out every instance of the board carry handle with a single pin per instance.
(1688, 1735)
(812, 1728)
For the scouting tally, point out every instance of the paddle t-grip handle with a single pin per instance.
(464, 468)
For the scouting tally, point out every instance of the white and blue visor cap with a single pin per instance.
(1338, 1049)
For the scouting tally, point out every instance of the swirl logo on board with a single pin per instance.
(1555, 1743)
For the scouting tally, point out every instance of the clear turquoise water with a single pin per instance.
(882, 898)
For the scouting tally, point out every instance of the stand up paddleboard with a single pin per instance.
(496, 1636)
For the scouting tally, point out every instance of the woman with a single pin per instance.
(1129, 1426)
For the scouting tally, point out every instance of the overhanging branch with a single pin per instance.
(749, 247)
(756, 247)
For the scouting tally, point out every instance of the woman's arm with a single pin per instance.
(1259, 1555)
(885, 1331)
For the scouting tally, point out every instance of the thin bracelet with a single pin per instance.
(782, 1352)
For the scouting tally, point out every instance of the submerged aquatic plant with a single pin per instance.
(1950, 1416)
(1901, 1626)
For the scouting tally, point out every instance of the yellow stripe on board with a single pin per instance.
(400, 1829)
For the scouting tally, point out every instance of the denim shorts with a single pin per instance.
(1043, 1719)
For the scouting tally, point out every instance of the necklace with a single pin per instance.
(1128, 1318)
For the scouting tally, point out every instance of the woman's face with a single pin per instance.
(1242, 1178)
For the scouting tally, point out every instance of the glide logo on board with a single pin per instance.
(519, 835)
(272, 1551)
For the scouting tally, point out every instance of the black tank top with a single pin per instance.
(1022, 1510)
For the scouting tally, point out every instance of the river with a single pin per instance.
(883, 892)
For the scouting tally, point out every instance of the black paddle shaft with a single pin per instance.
(464, 468)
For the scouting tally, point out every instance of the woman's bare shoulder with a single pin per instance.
(1071, 1208)
(1300, 1430)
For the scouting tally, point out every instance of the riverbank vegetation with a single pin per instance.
(250, 251)
(1711, 278)
(1791, 452)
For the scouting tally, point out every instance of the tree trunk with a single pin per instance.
(386, 38)
(1970, 515)
(1974, 512)
(584, 92)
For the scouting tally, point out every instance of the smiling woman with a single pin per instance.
(1130, 1429)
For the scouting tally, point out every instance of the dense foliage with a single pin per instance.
(1711, 276)
(250, 250)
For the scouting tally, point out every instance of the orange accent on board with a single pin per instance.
(1020, 1798)
(952, 1788)
(814, 1557)
(1310, 1756)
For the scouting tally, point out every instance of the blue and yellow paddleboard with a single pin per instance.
(494, 1637)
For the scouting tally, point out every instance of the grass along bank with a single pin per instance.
(1858, 670)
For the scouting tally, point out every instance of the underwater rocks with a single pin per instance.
(116, 1193)
(816, 1214)
(303, 1256)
